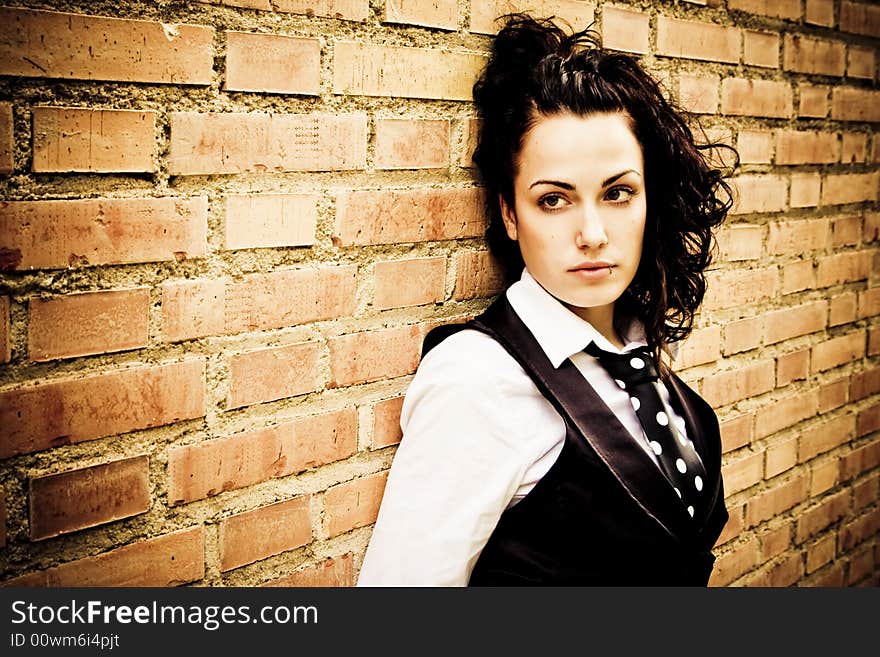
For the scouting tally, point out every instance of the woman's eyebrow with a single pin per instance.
(610, 180)
(556, 183)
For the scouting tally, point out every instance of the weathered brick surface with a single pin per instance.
(413, 282)
(47, 44)
(625, 29)
(698, 40)
(386, 422)
(430, 13)
(272, 63)
(88, 232)
(263, 375)
(73, 500)
(748, 97)
(264, 532)
(7, 138)
(577, 13)
(412, 144)
(331, 573)
(5, 331)
(256, 221)
(74, 409)
(243, 459)
(373, 355)
(74, 139)
(353, 504)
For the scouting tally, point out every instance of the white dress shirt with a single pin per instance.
(477, 436)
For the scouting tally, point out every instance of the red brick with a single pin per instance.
(361, 69)
(785, 412)
(624, 29)
(47, 44)
(746, 381)
(821, 552)
(820, 12)
(232, 142)
(5, 331)
(846, 231)
(755, 147)
(869, 303)
(353, 504)
(168, 560)
(743, 473)
(780, 457)
(264, 532)
(805, 190)
(797, 276)
(864, 384)
(698, 93)
(832, 577)
(477, 274)
(843, 309)
(872, 219)
(860, 460)
(467, 141)
(833, 394)
(429, 13)
(806, 147)
(336, 572)
(873, 341)
(697, 40)
(864, 494)
(777, 500)
(845, 267)
(869, 420)
(859, 530)
(737, 432)
(412, 282)
(577, 13)
(735, 563)
(745, 97)
(813, 101)
(742, 335)
(87, 497)
(786, 572)
(838, 351)
(821, 438)
(73, 410)
(763, 193)
(7, 139)
(797, 237)
(740, 288)
(860, 18)
(861, 566)
(210, 467)
(789, 9)
(855, 104)
(411, 144)
(741, 242)
(849, 188)
(413, 215)
(272, 63)
(775, 541)
(270, 220)
(88, 323)
(854, 148)
(263, 375)
(373, 355)
(733, 527)
(792, 366)
(761, 49)
(192, 309)
(803, 54)
(819, 517)
(106, 231)
(794, 321)
(351, 10)
(861, 62)
(2, 518)
(824, 476)
(386, 422)
(73, 139)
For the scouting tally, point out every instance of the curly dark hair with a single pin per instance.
(538, 69)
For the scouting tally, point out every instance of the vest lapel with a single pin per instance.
(585, 411)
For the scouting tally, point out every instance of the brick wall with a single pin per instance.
(226, 227)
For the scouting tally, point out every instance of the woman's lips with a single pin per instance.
(593, 273)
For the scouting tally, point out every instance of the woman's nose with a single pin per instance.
(591, 233)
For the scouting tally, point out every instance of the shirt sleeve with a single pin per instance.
(462, 457)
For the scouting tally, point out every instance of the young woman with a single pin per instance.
(540, 446)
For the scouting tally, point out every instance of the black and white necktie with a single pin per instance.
(636, 372)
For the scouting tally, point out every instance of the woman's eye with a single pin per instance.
(551, 201)
(619, 194)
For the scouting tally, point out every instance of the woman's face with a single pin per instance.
(579, 209)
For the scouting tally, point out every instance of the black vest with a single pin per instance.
(604, 514)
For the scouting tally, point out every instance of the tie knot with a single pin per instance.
(630, 368)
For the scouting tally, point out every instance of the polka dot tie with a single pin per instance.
(636, 372)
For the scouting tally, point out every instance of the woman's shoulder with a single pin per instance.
(470, 356)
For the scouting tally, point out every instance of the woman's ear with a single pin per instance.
(509, 217)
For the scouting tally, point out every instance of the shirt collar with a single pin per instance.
(560, 332)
